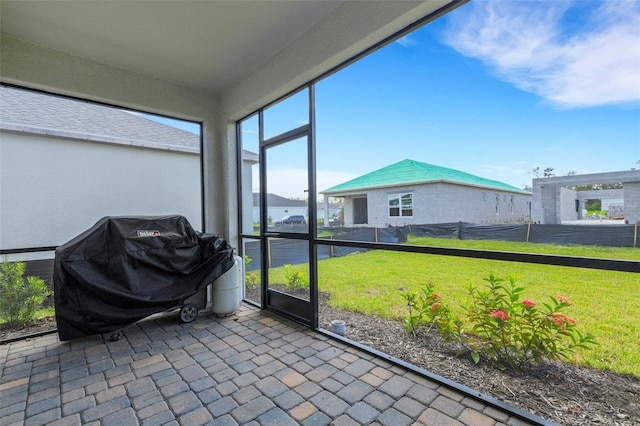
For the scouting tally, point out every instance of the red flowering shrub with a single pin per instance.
(501, 315)
(499, 328)
(564, 300)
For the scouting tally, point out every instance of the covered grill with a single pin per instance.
(124, 269)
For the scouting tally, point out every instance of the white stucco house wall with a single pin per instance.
(114, 163)
(410, 192)
(278, 207)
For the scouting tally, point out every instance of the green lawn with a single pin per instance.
(626, 253)
(606, 304)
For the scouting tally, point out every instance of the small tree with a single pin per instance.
(19, 297)
(547, 172)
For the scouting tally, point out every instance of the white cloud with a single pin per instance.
(406, 41)
(286, 182)
(526, 44)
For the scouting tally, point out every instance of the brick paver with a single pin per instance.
(249, 368)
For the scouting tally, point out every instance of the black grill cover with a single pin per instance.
(124, 269)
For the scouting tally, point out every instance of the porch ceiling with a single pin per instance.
(205, 45)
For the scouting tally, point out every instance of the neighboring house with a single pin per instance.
(115, 163)
(278, 207)
(411, 192)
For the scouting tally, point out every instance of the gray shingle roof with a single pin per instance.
(32, 112)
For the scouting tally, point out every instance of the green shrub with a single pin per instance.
(295, 280)
(499, 327)
(19, 297)
(251, 280)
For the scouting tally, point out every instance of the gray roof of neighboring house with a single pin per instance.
(278, 201)
(26, 111)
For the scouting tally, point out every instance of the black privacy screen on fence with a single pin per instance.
(597, 235)
(283, 252)
(124, 269)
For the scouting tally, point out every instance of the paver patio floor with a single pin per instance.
(253, 367)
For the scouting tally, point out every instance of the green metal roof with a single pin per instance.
(408, 172)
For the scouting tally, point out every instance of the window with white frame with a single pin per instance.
(401, 205)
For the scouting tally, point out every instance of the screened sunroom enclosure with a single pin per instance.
(282, 259)
(220, 78)
(295, 152)
(263, 103)
(292, 143)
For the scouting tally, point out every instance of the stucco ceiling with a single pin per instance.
(206, 45)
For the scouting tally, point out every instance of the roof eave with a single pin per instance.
(424, 182)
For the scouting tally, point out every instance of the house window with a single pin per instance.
(484, 197)
(511, 204)
(401, 205)
(497, 204)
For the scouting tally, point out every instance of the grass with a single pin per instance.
(625, 253)
(606, 303)
(45, 312)
(597, 212)
(39, 314)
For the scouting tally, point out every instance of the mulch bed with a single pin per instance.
(42, 325)
(562, 393)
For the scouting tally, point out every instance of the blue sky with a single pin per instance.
(495, 88)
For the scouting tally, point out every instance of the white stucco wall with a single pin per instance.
(47, 198)
(39, 68)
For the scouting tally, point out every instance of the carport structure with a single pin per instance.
(214, 63)
(554, 201)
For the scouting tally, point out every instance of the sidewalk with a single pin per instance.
(250, 368)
